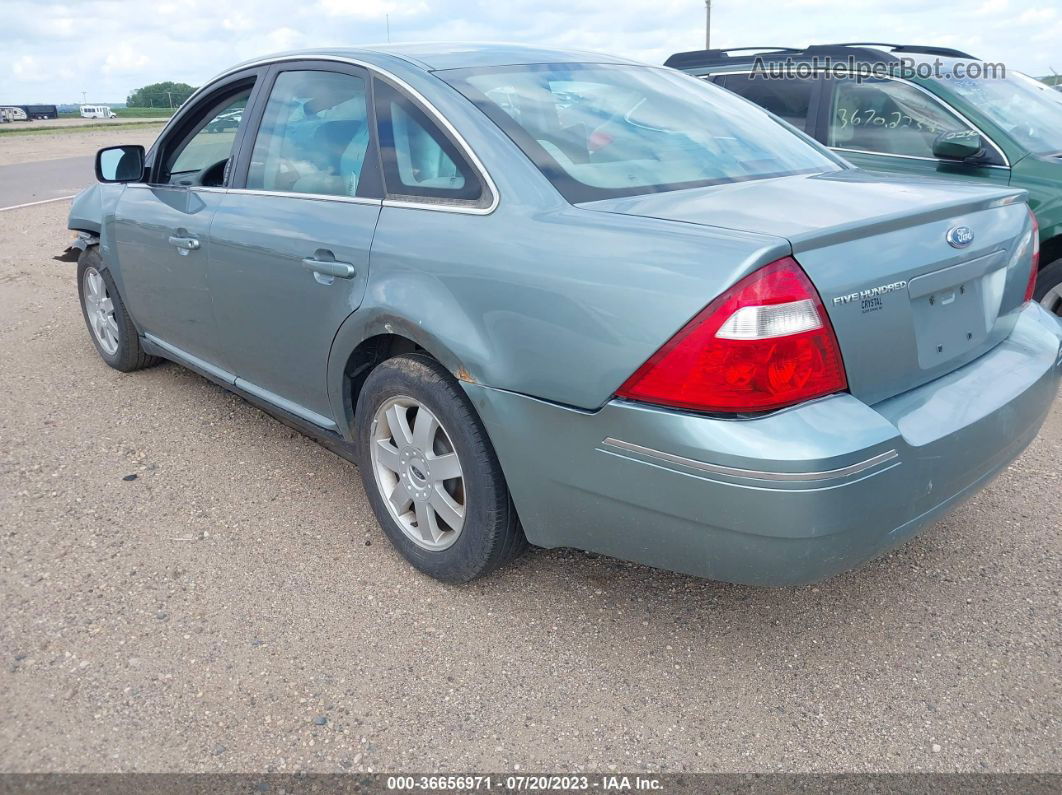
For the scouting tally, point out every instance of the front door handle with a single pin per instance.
(329, 267)
(184, 243)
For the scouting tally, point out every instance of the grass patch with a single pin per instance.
(126, 113)
(6, 129)
(144, 113)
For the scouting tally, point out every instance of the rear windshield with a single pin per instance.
(601, 131)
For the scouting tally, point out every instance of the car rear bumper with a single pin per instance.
(784, 499)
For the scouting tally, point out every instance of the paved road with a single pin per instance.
(21, 183)
(235, 607)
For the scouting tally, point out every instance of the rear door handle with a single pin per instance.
(344, 270)
(185, 243)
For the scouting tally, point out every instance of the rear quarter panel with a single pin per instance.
(538, 297)
(562, 305)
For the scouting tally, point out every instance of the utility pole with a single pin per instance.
(169, 98)
(387, 19)
(707, 24)
(83, 100)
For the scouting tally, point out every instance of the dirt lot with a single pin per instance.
(235, 607)
(56, 145)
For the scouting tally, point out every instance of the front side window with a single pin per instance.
(420, 162)
(314, 135)
(202, 157)
(598, 131)
(1029, 110)
(789, 99)
(888, 117)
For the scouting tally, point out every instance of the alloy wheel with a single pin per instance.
(418, 473)
(99, 309)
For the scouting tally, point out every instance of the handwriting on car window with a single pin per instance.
(871, 118)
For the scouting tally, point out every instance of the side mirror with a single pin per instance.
(962, 145)
(120, 164)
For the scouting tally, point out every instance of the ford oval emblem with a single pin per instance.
(960, 236)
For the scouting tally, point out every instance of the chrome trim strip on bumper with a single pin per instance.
(755, 474)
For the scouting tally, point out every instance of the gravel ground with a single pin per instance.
(235, 607)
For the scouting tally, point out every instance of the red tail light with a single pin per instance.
(1030, 291)
(764, 344)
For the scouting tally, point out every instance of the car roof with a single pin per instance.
(450, 55)
(870, 52)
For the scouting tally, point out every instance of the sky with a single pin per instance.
(55, 51)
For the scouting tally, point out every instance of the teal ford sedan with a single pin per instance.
(571, 300)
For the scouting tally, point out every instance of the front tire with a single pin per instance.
(109, 325)
(431, 474)
(1049, 287)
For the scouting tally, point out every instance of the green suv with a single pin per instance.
(914, 110)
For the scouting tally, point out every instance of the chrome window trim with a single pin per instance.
(927, 92)
(753, 474)
(450, 208)
(254, 192)
(287, 194)
(730, 72)
(462, 144)
(170, 186)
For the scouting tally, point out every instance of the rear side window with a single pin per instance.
(888, 117)
(789, 99)
(420, 162)
(314, 135)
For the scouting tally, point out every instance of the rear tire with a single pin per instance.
(1049, 287)
(109, 325)
(431, 474)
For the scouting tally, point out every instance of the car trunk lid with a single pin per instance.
(918, 277)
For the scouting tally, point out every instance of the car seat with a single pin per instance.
(336, 153)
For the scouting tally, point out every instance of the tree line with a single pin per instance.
(160, 95)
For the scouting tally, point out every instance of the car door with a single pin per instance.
(161, 227)
(289, 244)
(888, 124)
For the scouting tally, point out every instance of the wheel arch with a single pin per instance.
(365, 340)
(1051, 249)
